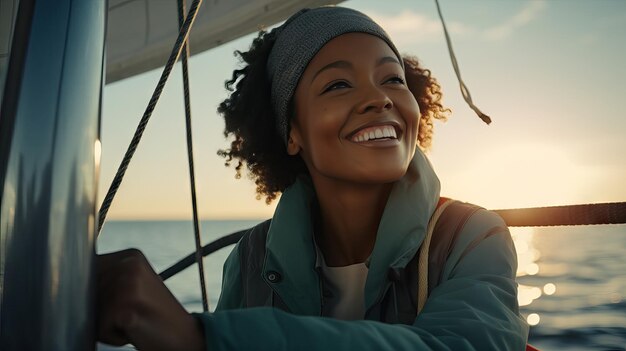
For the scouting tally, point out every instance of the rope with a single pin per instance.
(422, 265)
(208, 249)
(464, 90)
(614, 213)
(192, 176)
(586, 214)
(176, 51)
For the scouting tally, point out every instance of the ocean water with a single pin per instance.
(572, 280)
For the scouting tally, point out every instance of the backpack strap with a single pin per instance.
(444, 227)
(422, 263)
(256, 292)
(251, 257)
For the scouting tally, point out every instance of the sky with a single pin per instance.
(551, 75)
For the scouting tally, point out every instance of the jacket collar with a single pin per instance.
(290, 249)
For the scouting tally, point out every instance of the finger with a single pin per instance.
(107, 323)
(116, 282)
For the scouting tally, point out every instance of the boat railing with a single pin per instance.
(569, 215)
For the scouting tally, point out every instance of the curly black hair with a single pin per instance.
(249, 118)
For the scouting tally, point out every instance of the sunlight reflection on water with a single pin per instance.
(527, 257)
(571, 286)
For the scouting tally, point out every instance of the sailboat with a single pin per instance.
(53, 67)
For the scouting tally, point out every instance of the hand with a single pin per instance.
(135, 306)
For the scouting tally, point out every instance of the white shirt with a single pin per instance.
(344, 289)
(347, 291)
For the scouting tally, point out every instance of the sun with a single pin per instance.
(518, 175)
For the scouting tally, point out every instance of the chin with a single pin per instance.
(382, 175)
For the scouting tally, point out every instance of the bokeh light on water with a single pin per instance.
(571, 284)
(549, 289)
(533, 319)
(527, 257)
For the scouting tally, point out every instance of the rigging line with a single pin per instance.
(586, 214)
(207, 249)
(176, 51)
(192, 177)
(464, 90)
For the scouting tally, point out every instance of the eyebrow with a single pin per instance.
(387, 59)
(348, 65)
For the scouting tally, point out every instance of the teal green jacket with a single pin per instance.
(474, 308)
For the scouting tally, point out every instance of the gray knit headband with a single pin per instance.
(299, 39)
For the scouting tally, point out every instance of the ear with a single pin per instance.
(293, 144)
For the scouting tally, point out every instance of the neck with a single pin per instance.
(349, 219)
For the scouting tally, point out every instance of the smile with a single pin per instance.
(384, 132)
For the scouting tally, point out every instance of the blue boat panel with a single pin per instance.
(47, 213)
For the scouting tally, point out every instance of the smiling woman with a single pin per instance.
(361, 252)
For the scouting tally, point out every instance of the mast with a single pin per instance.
(49, 155)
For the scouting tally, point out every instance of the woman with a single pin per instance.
(327, 112)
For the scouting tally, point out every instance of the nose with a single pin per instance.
(374, 100)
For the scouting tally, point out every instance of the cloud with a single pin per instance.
(519, 20)
(413, 27)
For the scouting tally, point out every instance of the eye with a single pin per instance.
(336, 85)
(395, 80)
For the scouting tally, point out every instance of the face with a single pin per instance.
(355, 119)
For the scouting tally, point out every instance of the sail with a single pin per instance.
(141, 33)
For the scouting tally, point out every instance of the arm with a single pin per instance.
(134, 306)
(479, 291)
(475, 308)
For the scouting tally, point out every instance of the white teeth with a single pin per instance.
(377, 133)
